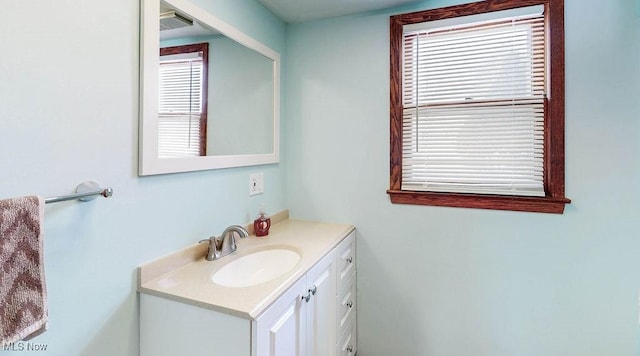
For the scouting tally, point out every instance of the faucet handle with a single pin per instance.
(209, 243)
(213, 242)
(213, 251)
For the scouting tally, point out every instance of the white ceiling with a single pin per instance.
(305, 10)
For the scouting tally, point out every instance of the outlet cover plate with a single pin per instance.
(256, 183)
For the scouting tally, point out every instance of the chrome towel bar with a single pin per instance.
(84, 192)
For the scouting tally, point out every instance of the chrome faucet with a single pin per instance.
(226, 243)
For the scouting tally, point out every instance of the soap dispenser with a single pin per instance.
(262, 223)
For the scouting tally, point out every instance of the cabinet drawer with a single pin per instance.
(346, 259)
(348, 345)
(347, 304)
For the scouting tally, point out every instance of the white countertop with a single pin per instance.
(185, 276)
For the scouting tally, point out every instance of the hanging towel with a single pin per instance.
(23, 295)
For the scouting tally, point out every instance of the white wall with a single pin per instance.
(456, 282)
(69, 113)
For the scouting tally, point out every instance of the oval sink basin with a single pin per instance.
(256, 268)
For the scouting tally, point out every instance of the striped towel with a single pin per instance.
(23, 294)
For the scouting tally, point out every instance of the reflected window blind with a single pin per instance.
(473, 108)
(180, 107)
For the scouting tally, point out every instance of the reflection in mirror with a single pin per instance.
(216, 99)
(240, 95)
(182, 113)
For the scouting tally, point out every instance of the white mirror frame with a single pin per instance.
(149, 162)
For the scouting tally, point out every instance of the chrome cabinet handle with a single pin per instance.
(350, 259)
(349, 349)
(310, 292)
(306, 297)
(350, 304)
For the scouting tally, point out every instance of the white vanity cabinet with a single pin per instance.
(302, 321)
(316, 316)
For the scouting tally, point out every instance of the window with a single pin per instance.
(477, 106)
(183, 101)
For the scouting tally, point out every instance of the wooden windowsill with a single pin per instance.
(496, 202)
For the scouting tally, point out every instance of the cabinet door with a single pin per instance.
(321, 308)
(280, 330)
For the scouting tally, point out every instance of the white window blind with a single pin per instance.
(180, 106)
(473, 107)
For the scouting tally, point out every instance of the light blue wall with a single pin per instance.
(69, 113)
(240, 100)
(457, 282)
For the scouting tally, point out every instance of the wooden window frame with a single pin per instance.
(195, 48)
(554, 200)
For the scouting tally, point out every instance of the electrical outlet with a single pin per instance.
(256, 183)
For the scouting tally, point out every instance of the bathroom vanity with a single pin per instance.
(291, 293)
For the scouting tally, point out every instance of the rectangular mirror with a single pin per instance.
(210, 94)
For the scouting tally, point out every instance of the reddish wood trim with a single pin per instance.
(473, 8)
(494, 202)
(205, 99)
(189, 48)
(396, 105)
(194, 48)
(554, 116)
(554, 127)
